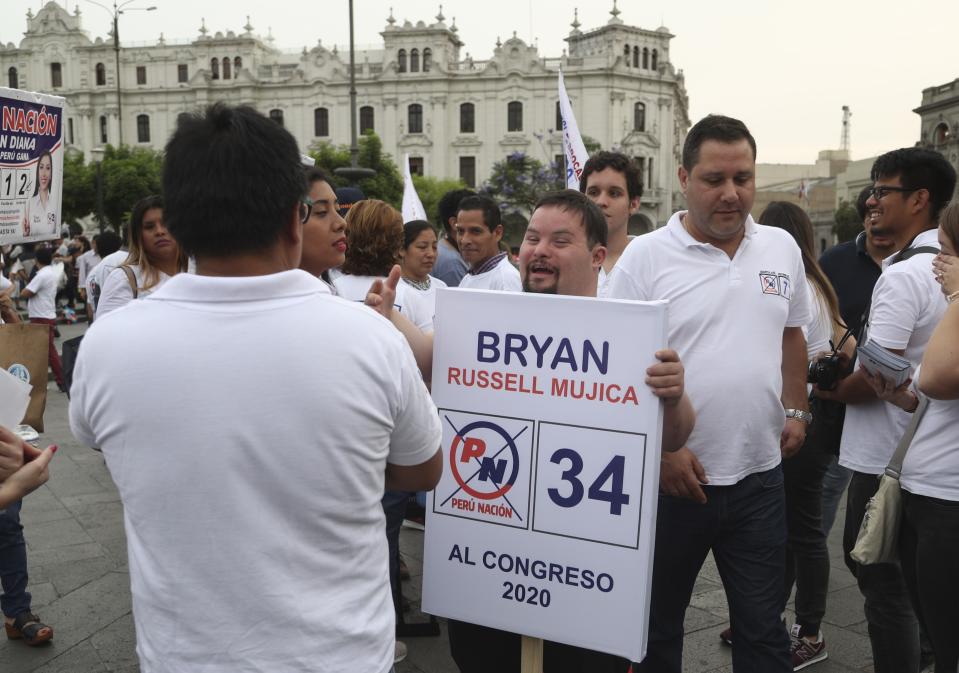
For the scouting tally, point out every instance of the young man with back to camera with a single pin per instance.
(252, 494)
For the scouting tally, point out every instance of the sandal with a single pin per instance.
(29, 628)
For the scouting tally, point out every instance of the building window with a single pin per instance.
(639, 117)
(940, 135)
(427, 59)
(655, 60)
(560, 161)
(366, 118)
(649, 173)
(237, 66)
(321, 122)
(626, 52)
(13, 81)
(645, 58)
(415, 114)
(559, 117)
(416, 165)
(141, 74)
(70, 130)
(401, 60)
(143, 128)
(640, 163)
(414, 60)
(277, 116)
(635, 57)
(467, 118)
(101, 74)
(103, 130)
(214, 68)
(226, 68)
(182, 73)
(56, 75)
(514, 117)
(468, 171)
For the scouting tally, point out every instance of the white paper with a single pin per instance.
(546, 509)
(14, 399)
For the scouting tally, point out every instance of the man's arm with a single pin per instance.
(939, 376)
(667, 381)
(422, 477)
(794, 366)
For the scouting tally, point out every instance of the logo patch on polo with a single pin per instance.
(779, 284)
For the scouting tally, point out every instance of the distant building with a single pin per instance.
(939, 125)
(454, 115)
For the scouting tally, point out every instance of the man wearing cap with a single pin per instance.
(347, 197)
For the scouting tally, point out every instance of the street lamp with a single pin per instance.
(354, 173)
(97, 154)
(115, 14)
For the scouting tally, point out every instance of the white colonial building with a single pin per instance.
(455, 116)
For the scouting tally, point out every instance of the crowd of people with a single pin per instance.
(262, 399)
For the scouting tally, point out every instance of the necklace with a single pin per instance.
(422, 286)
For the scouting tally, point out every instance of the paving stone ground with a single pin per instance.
(81, 585)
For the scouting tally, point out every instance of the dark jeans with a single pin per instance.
(745, 527)
(52, 354)
(807, 558)
(15, 599)
(929, 553)
(893, 630)
(834, 484)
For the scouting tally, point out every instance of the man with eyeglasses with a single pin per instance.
(251, 421)
(910, 188)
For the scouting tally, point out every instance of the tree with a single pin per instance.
(431, 190)
(79, 187)
(129, 174)
(386, 185)
(516, 184)
(847, 222)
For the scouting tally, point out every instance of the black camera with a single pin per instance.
(825, 372)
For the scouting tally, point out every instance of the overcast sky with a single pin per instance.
(785, 68)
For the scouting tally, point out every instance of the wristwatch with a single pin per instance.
(799, 414)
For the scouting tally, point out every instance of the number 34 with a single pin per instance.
(612, 472)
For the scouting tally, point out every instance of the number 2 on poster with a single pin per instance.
(613, 472)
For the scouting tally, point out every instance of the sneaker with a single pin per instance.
(399, 652)
(726, 636)
(805, 653)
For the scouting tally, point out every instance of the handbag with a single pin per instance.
(878, 539)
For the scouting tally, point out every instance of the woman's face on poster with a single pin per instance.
(44, 171)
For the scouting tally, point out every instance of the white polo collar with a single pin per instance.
(186, 287)
(683, 237)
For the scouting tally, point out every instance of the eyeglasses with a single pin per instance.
(306, 207)
(879, 192)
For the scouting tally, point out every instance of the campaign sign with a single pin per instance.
(31, 166)
(544, 520)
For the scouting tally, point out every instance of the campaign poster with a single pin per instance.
(543, 522)
(31, 166)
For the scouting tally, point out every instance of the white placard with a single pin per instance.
(543, 522)
(31, 166)
(14, 399)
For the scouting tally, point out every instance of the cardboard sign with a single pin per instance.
(543, 522)
(31, 166)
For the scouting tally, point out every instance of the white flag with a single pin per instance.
(573, 147)
(412, 206)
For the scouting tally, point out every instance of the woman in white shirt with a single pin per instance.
(374, 240)
(417, 260)
(153, 258)
(929, 529)
(40, 218)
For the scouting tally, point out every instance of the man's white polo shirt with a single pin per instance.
(247, 423)
(726, 321)
(907, 304)
(500, 275)
(43, 303)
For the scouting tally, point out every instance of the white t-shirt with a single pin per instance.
(503, 277)
(819, 330)
(251, 470)
(931, 465)
(907, 304)
(43, 303)
(602, 286)
(117, 292)
(42, 218)
(85, 264)
(98, 274)
(407, 302)
(428, 298)
(726, 321)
